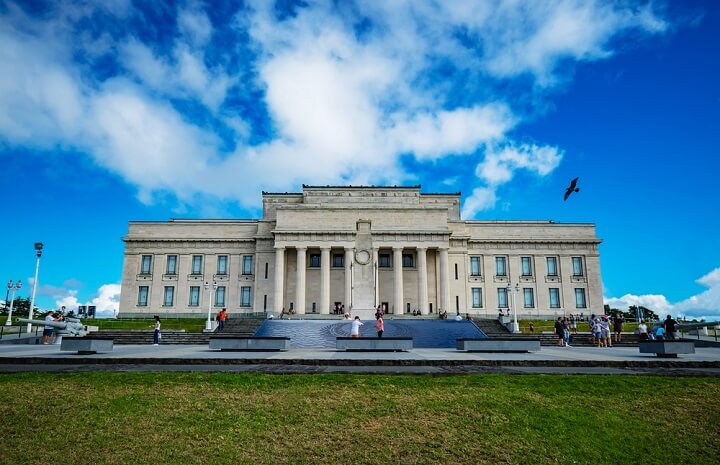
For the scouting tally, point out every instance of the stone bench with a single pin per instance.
(377, 344)
(667, 349)
(505, 344)
(229, 342)
(86, 345)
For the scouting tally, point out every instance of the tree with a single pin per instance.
(645, 313)
(21, 307)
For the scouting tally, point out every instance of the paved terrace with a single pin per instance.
(550, 360)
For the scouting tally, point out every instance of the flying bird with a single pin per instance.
(571, 188)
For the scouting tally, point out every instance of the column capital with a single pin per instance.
(325, 247)
(279, 247)
(421, 248)
(348, 249)
(397, 248)
(301, 247)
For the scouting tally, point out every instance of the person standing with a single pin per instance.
(355, 328)
(47, 329)
(156, 333)
(222, 316)
(669, 326)
(618, 327)
(642, 331)
(380, 325)
(559, 331)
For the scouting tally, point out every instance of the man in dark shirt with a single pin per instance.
(618, 326)
(669, 326)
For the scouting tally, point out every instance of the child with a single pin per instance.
(355, 329)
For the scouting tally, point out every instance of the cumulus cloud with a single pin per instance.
(705, 305)
(324, 93)
(106, 300)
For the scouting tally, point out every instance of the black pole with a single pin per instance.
(7, 302)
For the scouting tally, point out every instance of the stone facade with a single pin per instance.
(351, 246)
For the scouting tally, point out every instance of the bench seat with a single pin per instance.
(229, 342)
(505, 344)
(376, 344)
(86, 345)
(667, 349)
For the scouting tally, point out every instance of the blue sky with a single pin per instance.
(114, 111)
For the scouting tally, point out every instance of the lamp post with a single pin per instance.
(208, 323)
(38, 248)
(12, 288)
(512, 291)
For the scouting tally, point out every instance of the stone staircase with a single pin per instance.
(242, 326)
(492, 328)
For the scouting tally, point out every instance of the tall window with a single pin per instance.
(142, 296)
(220, 296)
(477, 297)
(384, 260)
(171, 267)
(339, 260)
(222, 268)
(474, 266)
(146, 264)
(169, 296)
(407, 260)
(554, 297)
(196, 264)
(314, 260)
(526, 266)
(552, 266)
(528, 298)
(247, 267)
(577, 266)
(244, 296)
(580, 298)
(500, 266)
(502, 297)
(194, 296)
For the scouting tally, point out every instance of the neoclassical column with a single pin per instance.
(300, 291)
(376, 275)
(279, 278)
(398, 270)
(325, 280)
(444, 280)
(422, 279)
(348, 279)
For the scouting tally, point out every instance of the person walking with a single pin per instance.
(380, 325)
(355, 327)
(156, 333)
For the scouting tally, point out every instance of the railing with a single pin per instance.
(8, 333)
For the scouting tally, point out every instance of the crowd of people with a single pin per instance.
(606, 329)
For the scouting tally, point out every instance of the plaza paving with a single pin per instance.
(550, 360)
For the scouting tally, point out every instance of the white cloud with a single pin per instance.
(705, 305)
(106, 300)
(345, 105)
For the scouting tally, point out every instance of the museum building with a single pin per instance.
(357, 247)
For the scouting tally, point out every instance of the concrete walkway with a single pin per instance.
(550, 360)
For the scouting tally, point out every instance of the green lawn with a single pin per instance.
(582, 326)
(188, 324)
(177, 418)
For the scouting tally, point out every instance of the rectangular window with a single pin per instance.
(552, 266)
(222, 265)
(502, 297)
(169, 296)
(474, 266)
(338, 260)
(577, 266)
(526, 266)
(456, 272)
(244, 296)
(580, 298)
(477, 297)
(194, 296)
(171, 267)
(528, 298)
(220, 296)
(500, 268)
(384, 259)
(146, 265)
(143, 296)
(247, 266)
(196, 264)
(266, 270)
(407, 260)
(314, 260)
(554, 297)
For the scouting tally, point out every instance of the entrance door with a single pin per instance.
(384, 307)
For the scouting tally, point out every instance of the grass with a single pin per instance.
(582, 326)
(188, 324)
(188, 418)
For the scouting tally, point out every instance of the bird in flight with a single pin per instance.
(572, 188)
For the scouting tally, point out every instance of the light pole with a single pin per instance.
(511, 291)
(208, 323)
(38, 248)
(12, 288)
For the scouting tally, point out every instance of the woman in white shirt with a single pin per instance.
(355, 329)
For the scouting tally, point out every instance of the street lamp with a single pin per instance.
(12, 288)
(208, 323)
(38, 248)
(512, 291)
